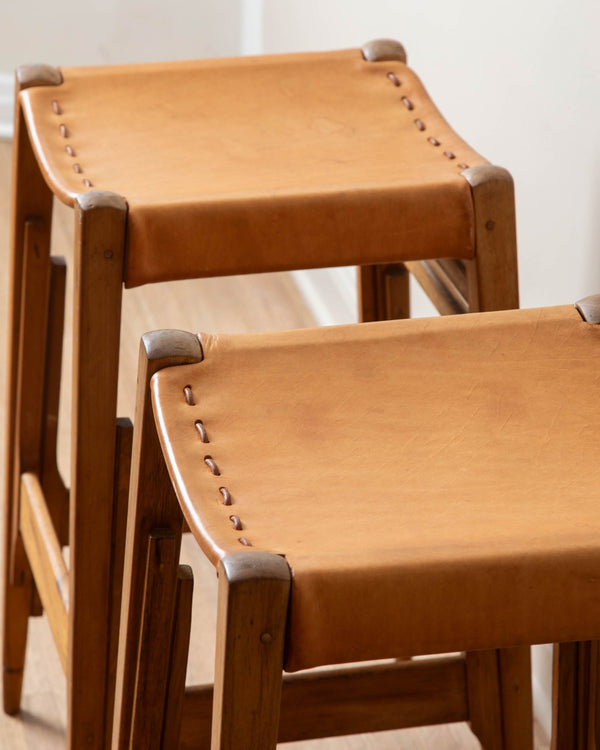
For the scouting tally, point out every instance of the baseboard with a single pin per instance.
(6, 105)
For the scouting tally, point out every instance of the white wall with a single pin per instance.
(69, 32)
(520, 81)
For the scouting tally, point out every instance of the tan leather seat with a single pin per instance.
(292, 161)
(419, 486)
(188, 169)
(420, 468)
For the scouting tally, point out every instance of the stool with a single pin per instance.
(416, 486)
(195, 169)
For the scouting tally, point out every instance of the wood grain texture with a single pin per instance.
(575, 698)
(124, 439)
(152, 505)
(383, 292)
(160, 589)
(492, 275)
(252, 609)
(335, 702)
(179, 658)
(98, 271)
(485, 700)
(44, 553)
(517, 700)
(55, 492)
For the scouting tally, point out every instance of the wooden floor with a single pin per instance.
(226, 305)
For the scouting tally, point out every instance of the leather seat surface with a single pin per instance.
(254, 164)
(432, 483)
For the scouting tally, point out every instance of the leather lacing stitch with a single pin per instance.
(420, 125)
(64, 133)
(213, 467)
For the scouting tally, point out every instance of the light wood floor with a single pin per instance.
(226, 305)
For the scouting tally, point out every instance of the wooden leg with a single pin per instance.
(517, 700)
(500, 699)
(179, 655)
(124, 442)
(485, 699)
(99, 249)
(383, 292)
(152, 504)
(251, 620)
(24, 436)
(575, 696)
(492, 275)
(156, 632)
(55, 492)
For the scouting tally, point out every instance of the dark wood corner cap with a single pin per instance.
(379, 50)
(167, 348)
(589, 309)
(484, 173)
(38, 75)
(101, 199)
(244, 566)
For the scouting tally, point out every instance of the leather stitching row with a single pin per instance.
(419, 124)
(226, 497)
(65, 133)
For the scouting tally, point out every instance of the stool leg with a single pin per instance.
(492, 275)
(121, 501)
(383, 292)
(31, 200)
(500, 701)
(55, 492)
(517, 698)
(99, 250)
(152, 504)
(251, 619)
(575, 696)
(182, 624)
(27, 436)
(156, 631)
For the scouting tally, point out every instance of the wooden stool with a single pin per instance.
(197, 169)
(363, 491)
